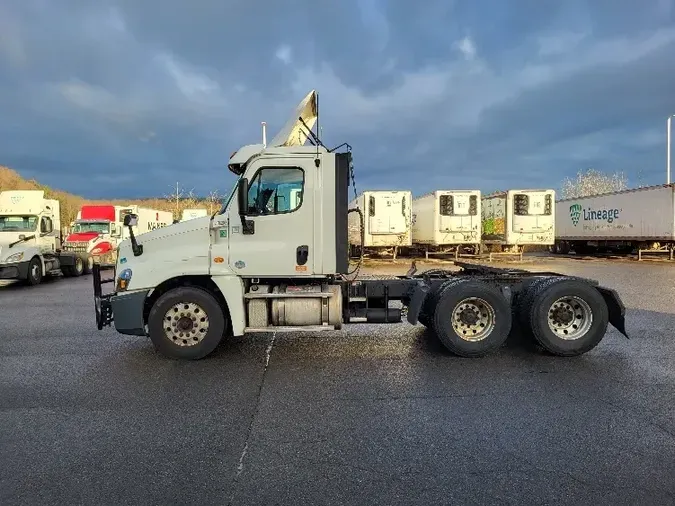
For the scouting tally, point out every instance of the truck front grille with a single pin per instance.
(78, 247)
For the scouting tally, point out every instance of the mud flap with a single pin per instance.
(419, 294)
(617, 311)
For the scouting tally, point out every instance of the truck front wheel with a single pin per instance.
(471, 318)
(186, 323)
(34, 272)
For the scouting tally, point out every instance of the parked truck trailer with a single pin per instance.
(30, 238)
(516, 218)
(640, 219)
(260, 266)
(190, 214)
(98, 229)
(447, 221)
(387, 220)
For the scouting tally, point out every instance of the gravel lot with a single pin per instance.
(378, 415)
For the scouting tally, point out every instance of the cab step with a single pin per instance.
(309, 328)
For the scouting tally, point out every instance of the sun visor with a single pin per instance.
(294, 133)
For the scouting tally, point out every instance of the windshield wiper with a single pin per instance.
(22, 240)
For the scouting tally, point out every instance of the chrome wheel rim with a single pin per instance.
(570, 318)
(473, 319)
(186, 324)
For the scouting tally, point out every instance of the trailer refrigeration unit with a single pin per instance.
(514, 219)
(447, 221)
(386, 221)
(641, 219)
(30, 238)
(264, 263)
(98, 229)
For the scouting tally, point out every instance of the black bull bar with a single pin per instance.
(104, 314)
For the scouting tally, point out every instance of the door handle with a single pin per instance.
(301, 254)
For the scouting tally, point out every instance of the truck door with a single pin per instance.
(532, 212)
(282, 215)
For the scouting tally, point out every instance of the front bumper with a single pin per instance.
(125, 310)
(16, 270)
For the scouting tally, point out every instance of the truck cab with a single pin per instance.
(30, 238)
(274, 258)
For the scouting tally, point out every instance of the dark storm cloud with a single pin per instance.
(124, 98)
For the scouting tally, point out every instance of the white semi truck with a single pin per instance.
(447, 220)
(191, 214)
(387, 220)
(517, 218)
(98, 229)
(30, 238)
(264, 263)
(640, 218)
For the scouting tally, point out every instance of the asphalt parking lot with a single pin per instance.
(378, 415)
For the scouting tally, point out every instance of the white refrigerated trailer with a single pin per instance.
(445, 221)
(191, 214)
(641, 219)
(386, 220)
(517, 218)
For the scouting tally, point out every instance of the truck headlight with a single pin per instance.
(16, 257)
(123, 280)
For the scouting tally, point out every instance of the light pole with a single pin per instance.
(668, 123)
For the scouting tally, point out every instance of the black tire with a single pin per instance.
(34, 276)
(580, 298)
(167, 344)
(77, 268)
(492, 305)
(426, 316)
(89, 264)
(525, 298)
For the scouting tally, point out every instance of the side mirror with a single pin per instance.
(247, 226)
(130, 220)
(242, 196)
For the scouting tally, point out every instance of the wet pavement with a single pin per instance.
(376, 415)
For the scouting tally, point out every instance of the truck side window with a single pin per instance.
(371, 206)
(276, 190)
(46, 225)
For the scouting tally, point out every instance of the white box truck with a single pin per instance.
(256, 267)
(191, 214)
(98, 229)
(30, 238)
(387, 217)
(640, 218)
(447, 220)
(516, 218)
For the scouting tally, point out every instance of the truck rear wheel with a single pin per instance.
(426, 315)
(471, 318)
(186, 323)
(567, 317)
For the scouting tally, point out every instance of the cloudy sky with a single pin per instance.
(127, 97)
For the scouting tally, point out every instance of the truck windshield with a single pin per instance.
(101, 227)
(18, 223)
(226, 202)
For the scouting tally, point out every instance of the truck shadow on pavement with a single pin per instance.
(11, 285)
